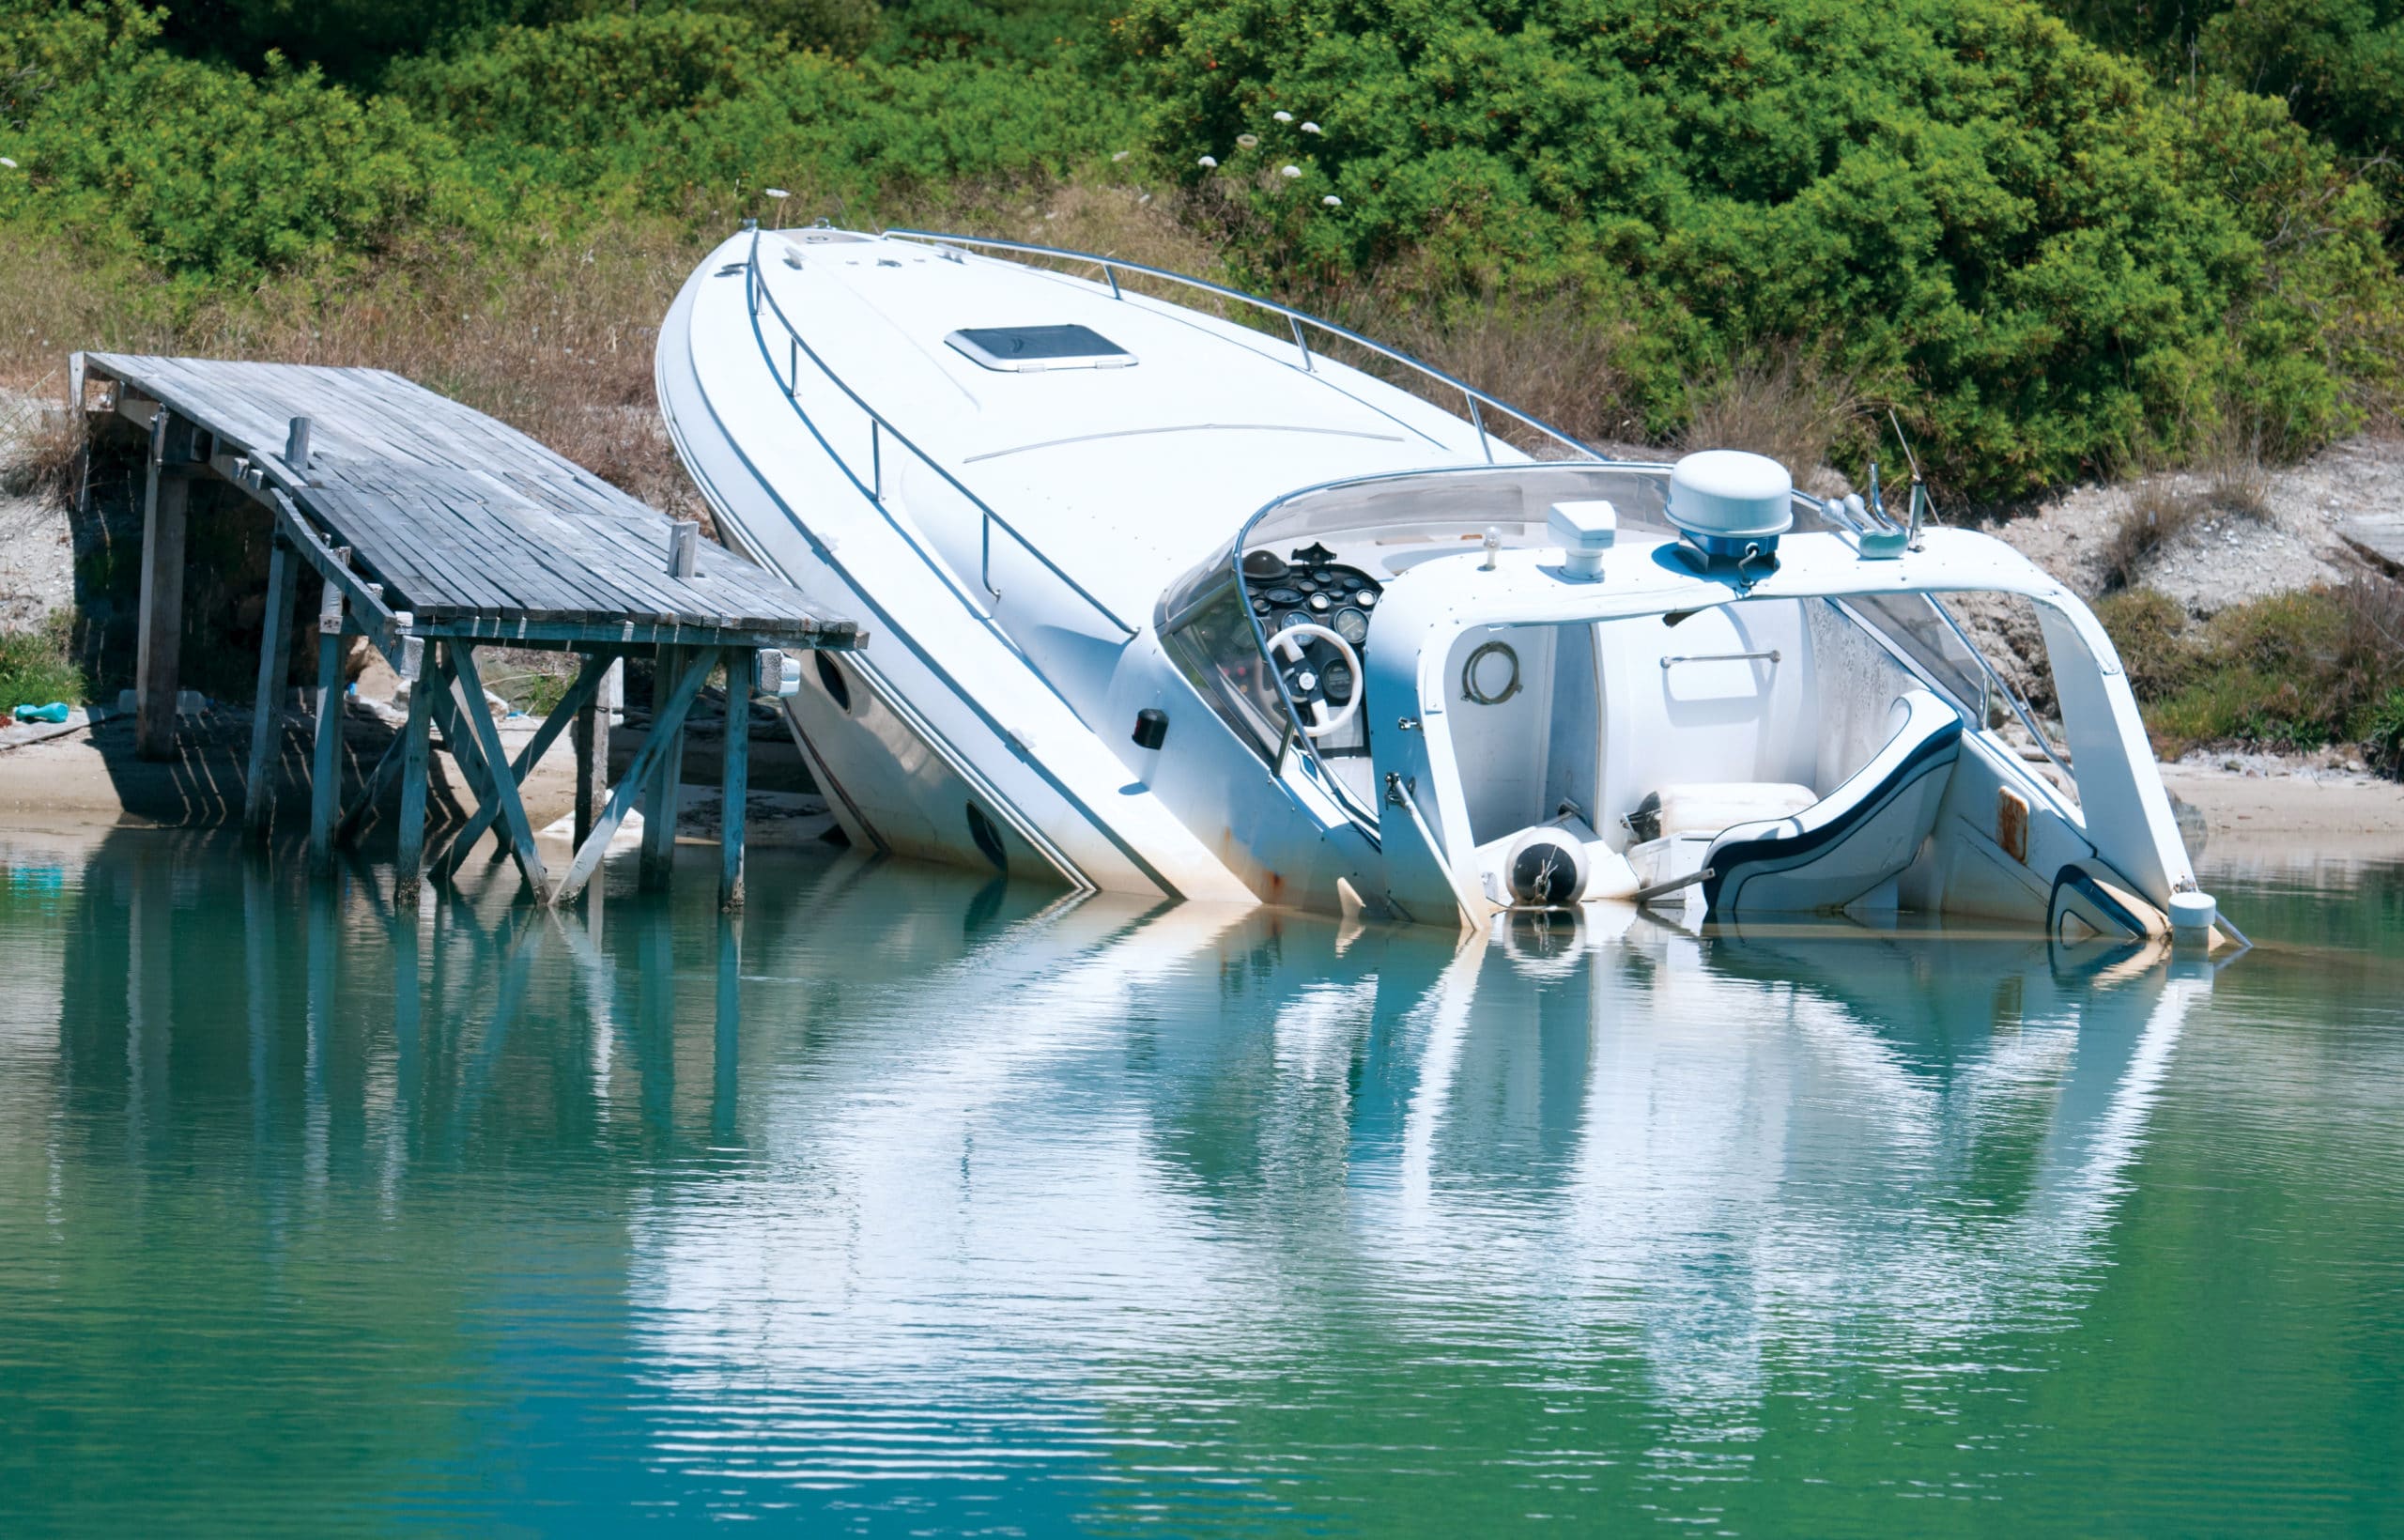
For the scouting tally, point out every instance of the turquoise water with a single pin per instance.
(906, 1205)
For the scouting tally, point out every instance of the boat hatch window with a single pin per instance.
(1032, 349)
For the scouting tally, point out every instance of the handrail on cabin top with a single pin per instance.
(1470, 394)
(879, 428)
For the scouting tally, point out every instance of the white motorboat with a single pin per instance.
(1167, 602)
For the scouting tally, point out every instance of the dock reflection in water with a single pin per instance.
(904, 1204)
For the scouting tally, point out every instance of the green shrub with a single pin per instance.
(201, 170)
(2149, 631)
(2045, 264)
(2291, 671)
(38, 667)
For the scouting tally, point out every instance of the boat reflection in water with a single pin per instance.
(1100, 1177)
(906, 1201)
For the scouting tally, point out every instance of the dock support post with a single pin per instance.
(267, 712)
(735, 778)
(325, 771)
(666, 772)
(592, 738)
(408, 861)
(166, 495)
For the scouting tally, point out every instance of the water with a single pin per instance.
(913, 1205)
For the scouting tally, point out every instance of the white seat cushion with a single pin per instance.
(1707, 807)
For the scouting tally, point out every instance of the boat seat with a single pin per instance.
(1843, 846)
(1707, 807)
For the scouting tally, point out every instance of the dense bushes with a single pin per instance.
(2294, 670)
(2045, 262)
(2001, 228)
(210, 174)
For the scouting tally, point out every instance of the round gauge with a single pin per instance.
(1293, 619)
(1305, 585)
(1324, 576)
(1366, 599)
(1352, 625)
(1260, 607)
(1355, 580)
(1318, 601)
(1283, 597)
(1337, 682)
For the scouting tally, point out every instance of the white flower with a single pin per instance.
(776, 192)
(1120, 156)
(1246, 141)
(6, 161)
(1333, 201)
(1208, 163)
(1289, 172)
(1311, 128)
(1283, 117)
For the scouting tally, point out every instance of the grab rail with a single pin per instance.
(879, 429)
(1296, 319)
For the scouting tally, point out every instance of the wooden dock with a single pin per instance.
(434, 529)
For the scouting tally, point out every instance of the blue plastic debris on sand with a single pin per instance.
(54, 712)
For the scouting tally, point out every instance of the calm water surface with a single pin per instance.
(906, 1205)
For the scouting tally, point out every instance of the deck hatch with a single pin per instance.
(1032, 349)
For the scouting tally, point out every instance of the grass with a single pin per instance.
(38, 667)
(2234, 484)
(2301, 671)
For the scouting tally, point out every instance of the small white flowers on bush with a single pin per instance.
(1289, 172)
(1312, 128)
(1120, 156)
(1283, 117)
(1333, 201)
(1208, 163)
(6, 161)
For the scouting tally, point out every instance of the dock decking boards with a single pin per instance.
(432, 526)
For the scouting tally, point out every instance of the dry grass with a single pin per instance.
(2232, 481)
(1784, 404)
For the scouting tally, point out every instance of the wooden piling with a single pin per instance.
(266, 710)
(667, 773)
(156, 672)
(734, 777)
(325, 768)
(408, 859)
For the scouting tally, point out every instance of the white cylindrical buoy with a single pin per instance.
(2192, 916)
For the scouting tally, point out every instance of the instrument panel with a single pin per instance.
(1313, 587)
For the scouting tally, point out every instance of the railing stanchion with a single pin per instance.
(792, 368)
(985, 531)
(1112, 274)
(876, 457)
(1477, 419)
(1302, 341)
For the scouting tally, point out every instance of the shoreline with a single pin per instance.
(2253, 806)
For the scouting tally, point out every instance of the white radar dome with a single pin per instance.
(1727, 499)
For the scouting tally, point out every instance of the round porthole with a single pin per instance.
(1492, 675)
(988, 838)
(830, 674)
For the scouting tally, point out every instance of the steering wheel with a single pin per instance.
(1317, 699)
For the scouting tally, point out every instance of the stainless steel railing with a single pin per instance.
(1472, 398)
(880, 429)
